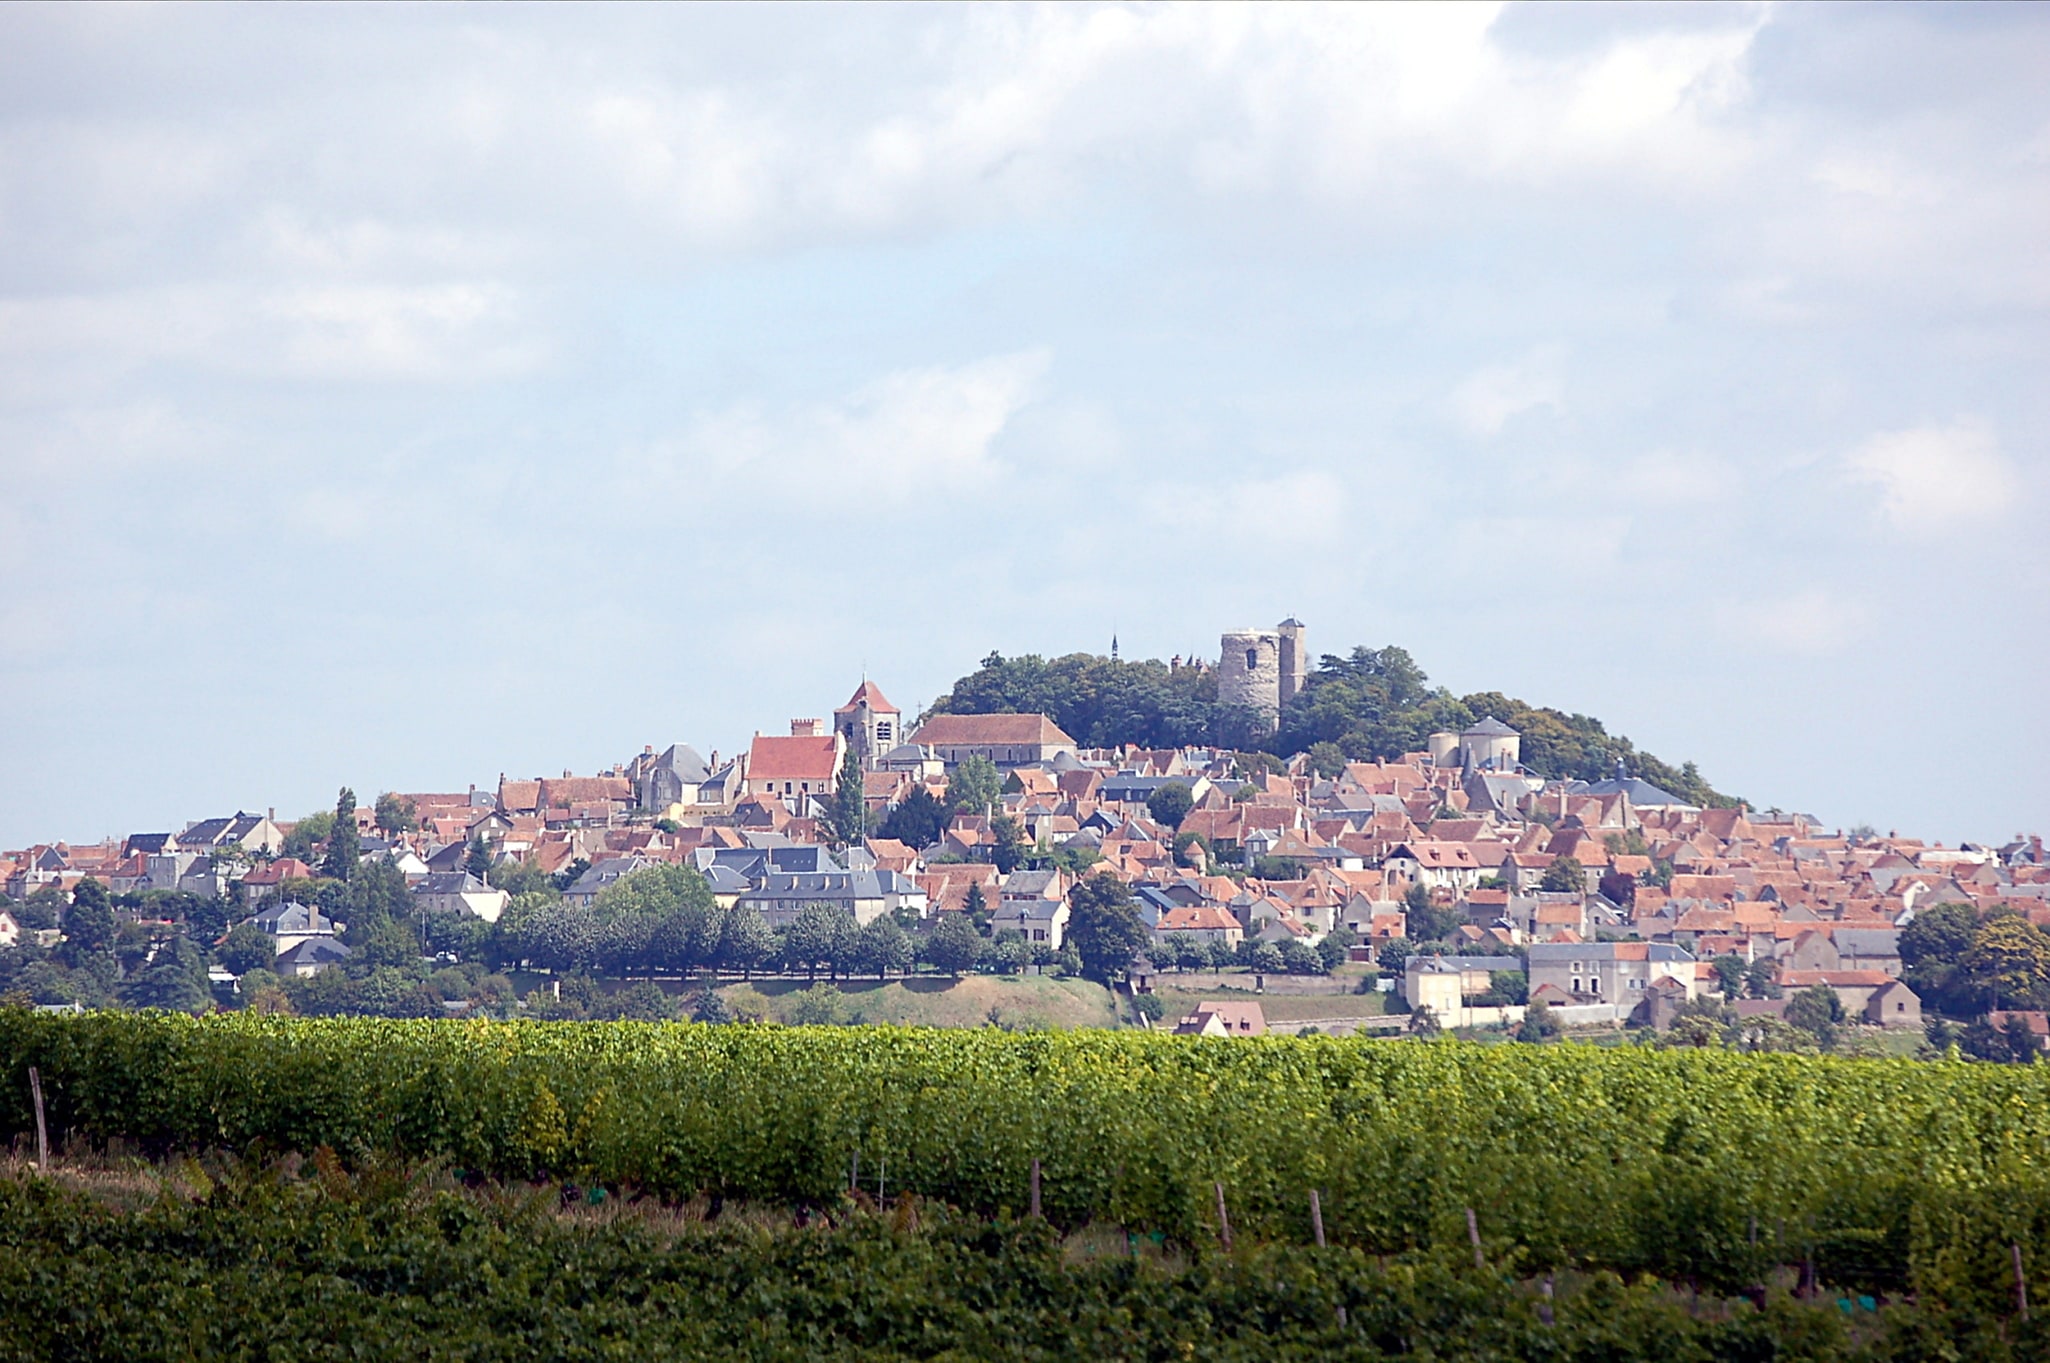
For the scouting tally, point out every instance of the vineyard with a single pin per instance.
(1710, 1167)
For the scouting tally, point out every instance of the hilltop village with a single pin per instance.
(1452, 881)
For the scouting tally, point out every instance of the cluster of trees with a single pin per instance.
(1373, 703)
(1103, 702)
(144, 958)
(1964, 963)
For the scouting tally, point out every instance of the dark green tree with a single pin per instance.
(707, 1006)
(1105, 927)
(1565, 875)
(1538, 1024)
(850, 808)
(339, 863)
(394, 815)
(917, 821)
(975, 907)
(248, 947)
(882, 947)
(815, 938)
(174, 981)
(89, 924)
(1010, 843)
(746, 941)
(1816, 1010)
(478, 860)
(1729, 974)
(952, 944)
(1170, 804)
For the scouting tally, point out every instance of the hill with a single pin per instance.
(1365, 705)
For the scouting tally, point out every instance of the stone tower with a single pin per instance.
(1263, 668)
(1295, 658)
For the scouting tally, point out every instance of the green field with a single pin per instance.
(1277, 1007)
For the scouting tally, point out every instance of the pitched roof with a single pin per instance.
(869, 694)
(967, 731)
(792, 759)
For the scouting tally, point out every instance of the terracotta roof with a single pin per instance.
(868, 693)
(968, 731)
(792, 759)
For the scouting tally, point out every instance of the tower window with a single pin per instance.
(1252, 659)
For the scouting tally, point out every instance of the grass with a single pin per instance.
(1018, 1001)
(1276, 1007)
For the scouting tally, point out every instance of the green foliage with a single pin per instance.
(394, 815)
(1105, 702)
(707, 1006)
(918, 819)
(953, 943)
(1564, 875)
(89, 924)
(246, 948)
(1104, 926)
(1539, 1024)
(339, 862)
(850, 807)
(822, 1005)
(1169, 804)
(974, 787)
(1149, 1006)
(175, 980)
(1009, 850)
(307, 834)
(881, 947)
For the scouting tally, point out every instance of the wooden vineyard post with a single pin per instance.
(2021, 1282)
(35, 1088)
(1035, 1189)
(1473, 1233)
(1317, 1218)
(1223, 1220)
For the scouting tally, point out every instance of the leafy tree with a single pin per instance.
(1300, 958)
(1192, 851)
(952, 944)
(707, 1006)
(917, 821)
(850, 807)
(1010, 843)
(1506, 988)
(882, 947)
(386, 942)
(89, 925)
(815, 938)
(1425, 921)
(1816, 1010)
(1277, 868)
(2009, 963)
(339, 863)
(1149, 1006)
(2021, 1041)
(656, 918)
(1539, 1024)
(822, 1005)
(746, 941)
(394, 815)
(1424, 1024)
(642, 1001)
(248, 947)
(479, 859)
(974, 787)
(1729, 974)
(42, 910)
(1169, 804)
(1761, 979)
(975, 906)
(1336, 947)
(572, 873)
(175, 981)
(1565, 875)
(1327, 759)
(307, 834)
(1393, 955)
(519, 877)
(1105, 927)
(1266, 958)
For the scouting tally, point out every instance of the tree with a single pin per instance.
(1300, 958)
(478, 860)
(917, 820)
(175, 981)
(822, 1005)
(1266, 959)
(394, 815)
(1192, 851)
(974, 787)
(1010, 844)
(2009, 963)
(975, 907)
(814, 939)
(883, 947)
(1327, 759)
(1423, 1022)
(656, 918)
(1538, 1024)
(89, 924)
(1761, 979)
(307, 834)
(642, 1001)
(1105, 927)
(386, 942)
(850, 805)
(745, 940)
(1729, 974)
(342, 843)
(2021, 1041)
(707, 1006)
(1169, 804)
(1565, 875)
(248, 947)
(1425, 921)
(952, 944)
(1816, 1010)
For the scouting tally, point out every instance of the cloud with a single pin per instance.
(1812, 622)
(913, 429)
(1306, 507)
(1488, 399)
(1937, 478)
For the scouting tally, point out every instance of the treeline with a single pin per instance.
(1371, 704)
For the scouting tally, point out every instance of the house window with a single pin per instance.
(1576, 984)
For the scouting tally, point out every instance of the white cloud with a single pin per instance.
(1937, 478)
(1668, 478)
(1306, 507)
(1488, 399)
(1811, 623)
(913, 429)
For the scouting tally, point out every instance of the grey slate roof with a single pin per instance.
(1489, 728)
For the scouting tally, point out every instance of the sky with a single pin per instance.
(402, 396)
